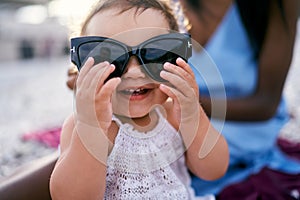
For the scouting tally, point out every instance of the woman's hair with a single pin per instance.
(139, 5)
(255, 17)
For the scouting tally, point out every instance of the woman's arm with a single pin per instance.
(274, 62)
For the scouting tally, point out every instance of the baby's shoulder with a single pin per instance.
(66, 132)
(113, 131)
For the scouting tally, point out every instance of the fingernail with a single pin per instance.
(179, 59)
(88, 60)
(162, 85)
(106, 62)
(167, 65)
(163, 73)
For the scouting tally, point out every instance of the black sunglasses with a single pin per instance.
(152, 53)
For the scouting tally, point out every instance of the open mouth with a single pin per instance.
(135, 92)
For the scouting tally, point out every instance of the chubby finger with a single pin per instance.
(94, 74)
(102, 75)
(171, 92)
(185, 66)
(178, 82)
(181, 72)
(109, 87)
(85, 69)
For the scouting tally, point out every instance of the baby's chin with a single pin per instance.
(132, 114)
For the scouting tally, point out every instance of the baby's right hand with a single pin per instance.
(93, 96)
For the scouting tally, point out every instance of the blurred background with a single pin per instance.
(37, 28)
(34, 58)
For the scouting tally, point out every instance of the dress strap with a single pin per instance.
(117, 120)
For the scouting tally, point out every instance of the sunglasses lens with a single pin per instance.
(105, 51)
(155, 54)
(152, 53)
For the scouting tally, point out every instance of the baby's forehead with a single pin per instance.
(136, 36)
(128, 27)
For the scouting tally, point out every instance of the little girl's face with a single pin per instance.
(137, 93)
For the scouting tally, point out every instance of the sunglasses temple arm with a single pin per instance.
(189, 49)
(74, 57)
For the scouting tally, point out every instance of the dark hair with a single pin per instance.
(255, 17)
(124, 5)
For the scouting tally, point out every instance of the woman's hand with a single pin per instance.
(93, 96)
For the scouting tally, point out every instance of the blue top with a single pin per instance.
(227, 68)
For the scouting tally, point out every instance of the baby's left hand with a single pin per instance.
(184, 91)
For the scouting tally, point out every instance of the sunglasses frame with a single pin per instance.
(130, 50)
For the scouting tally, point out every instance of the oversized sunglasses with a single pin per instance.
(151, 54)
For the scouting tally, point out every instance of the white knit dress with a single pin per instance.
(148, 165)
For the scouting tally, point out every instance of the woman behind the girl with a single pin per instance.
(137, 129)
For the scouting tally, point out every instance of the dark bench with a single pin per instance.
(29, 182)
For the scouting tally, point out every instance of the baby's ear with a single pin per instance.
(72, 77)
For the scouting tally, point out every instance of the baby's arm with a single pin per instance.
(80, 172)
(207, 154)
(207, 151)
(77, 174)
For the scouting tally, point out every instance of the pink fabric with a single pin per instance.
(48, 137)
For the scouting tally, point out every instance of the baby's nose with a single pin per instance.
(134, 69)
